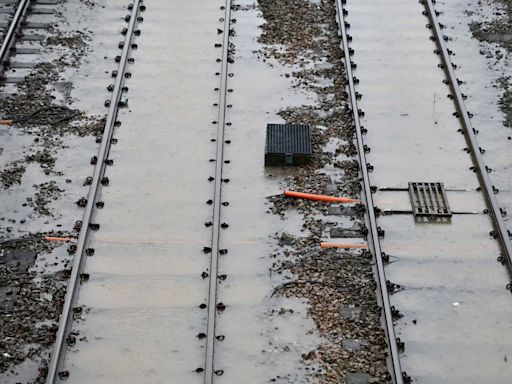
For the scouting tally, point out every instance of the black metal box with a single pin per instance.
(288, 144)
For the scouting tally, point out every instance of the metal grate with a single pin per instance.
(429, 200)
(288, 144)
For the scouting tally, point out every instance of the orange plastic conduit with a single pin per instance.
(329, 199)
(335, 245)
(50, 238)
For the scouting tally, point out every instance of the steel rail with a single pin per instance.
(10, 35)
(219, 161)
(470, 136)
(58, 352)
(373, 236)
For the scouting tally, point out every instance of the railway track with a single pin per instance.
(13, 28)
(214, 306)
(91, 202)
(16, 27)
(488, 190)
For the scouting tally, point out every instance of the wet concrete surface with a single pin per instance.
(452, 291)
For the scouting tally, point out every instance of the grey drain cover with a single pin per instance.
(429, 200)
(288, 144)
